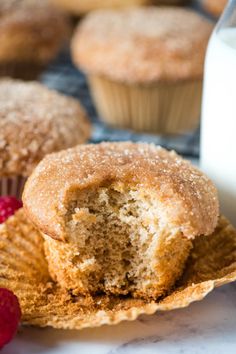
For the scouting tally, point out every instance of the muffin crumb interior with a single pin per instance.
(121, 243)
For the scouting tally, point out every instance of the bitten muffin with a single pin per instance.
(31, 34)
(119, 218)
(214, 7)
(144, 66)
(34, 121)
(81, 7)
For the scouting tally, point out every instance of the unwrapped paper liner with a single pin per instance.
(23, 269)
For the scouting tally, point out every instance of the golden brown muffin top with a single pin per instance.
(31, 29)
(142, 44)
(187, 197)
(35, 121)
(215, 7)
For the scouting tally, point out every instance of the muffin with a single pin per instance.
(144, 66)
(119, 218)
(211, 263)
(34, 121)
(81, 7)
(214, 7)
(31, 34)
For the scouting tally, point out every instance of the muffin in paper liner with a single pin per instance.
(12, 186)
(31, 128)
(32, 33)
(23, 269)
(143, 73)
(147, 107)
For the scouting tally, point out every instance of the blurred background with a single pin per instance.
(59, 73)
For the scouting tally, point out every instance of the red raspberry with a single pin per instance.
(10, 315)
(8, 206)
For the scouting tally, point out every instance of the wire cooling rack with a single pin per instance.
(61, 75)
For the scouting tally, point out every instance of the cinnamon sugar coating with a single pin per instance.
(142, 44)
(35, 121)
(31, 30)
(187, 197)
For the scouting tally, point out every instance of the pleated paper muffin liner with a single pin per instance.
(23, 269)
(12, 186)
(164, 108)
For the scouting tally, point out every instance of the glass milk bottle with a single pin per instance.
(218, 125)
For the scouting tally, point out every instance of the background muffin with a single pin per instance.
(34, 121)
(144, 66)
(214, 7)
(119, 218)
(31, 34)
(80, 7)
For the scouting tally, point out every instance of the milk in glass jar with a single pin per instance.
(218, 125)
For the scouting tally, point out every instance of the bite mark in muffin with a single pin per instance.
(119, 218)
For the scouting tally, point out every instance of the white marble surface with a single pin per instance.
(208, 327)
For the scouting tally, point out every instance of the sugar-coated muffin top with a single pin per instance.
(31, 30)
(142, 44)
(35, 121)
(187, 196)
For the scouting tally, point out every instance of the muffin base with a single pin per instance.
(127, 259)
(12, 186)
(25, 71)
(23, 269)
(164, 108)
